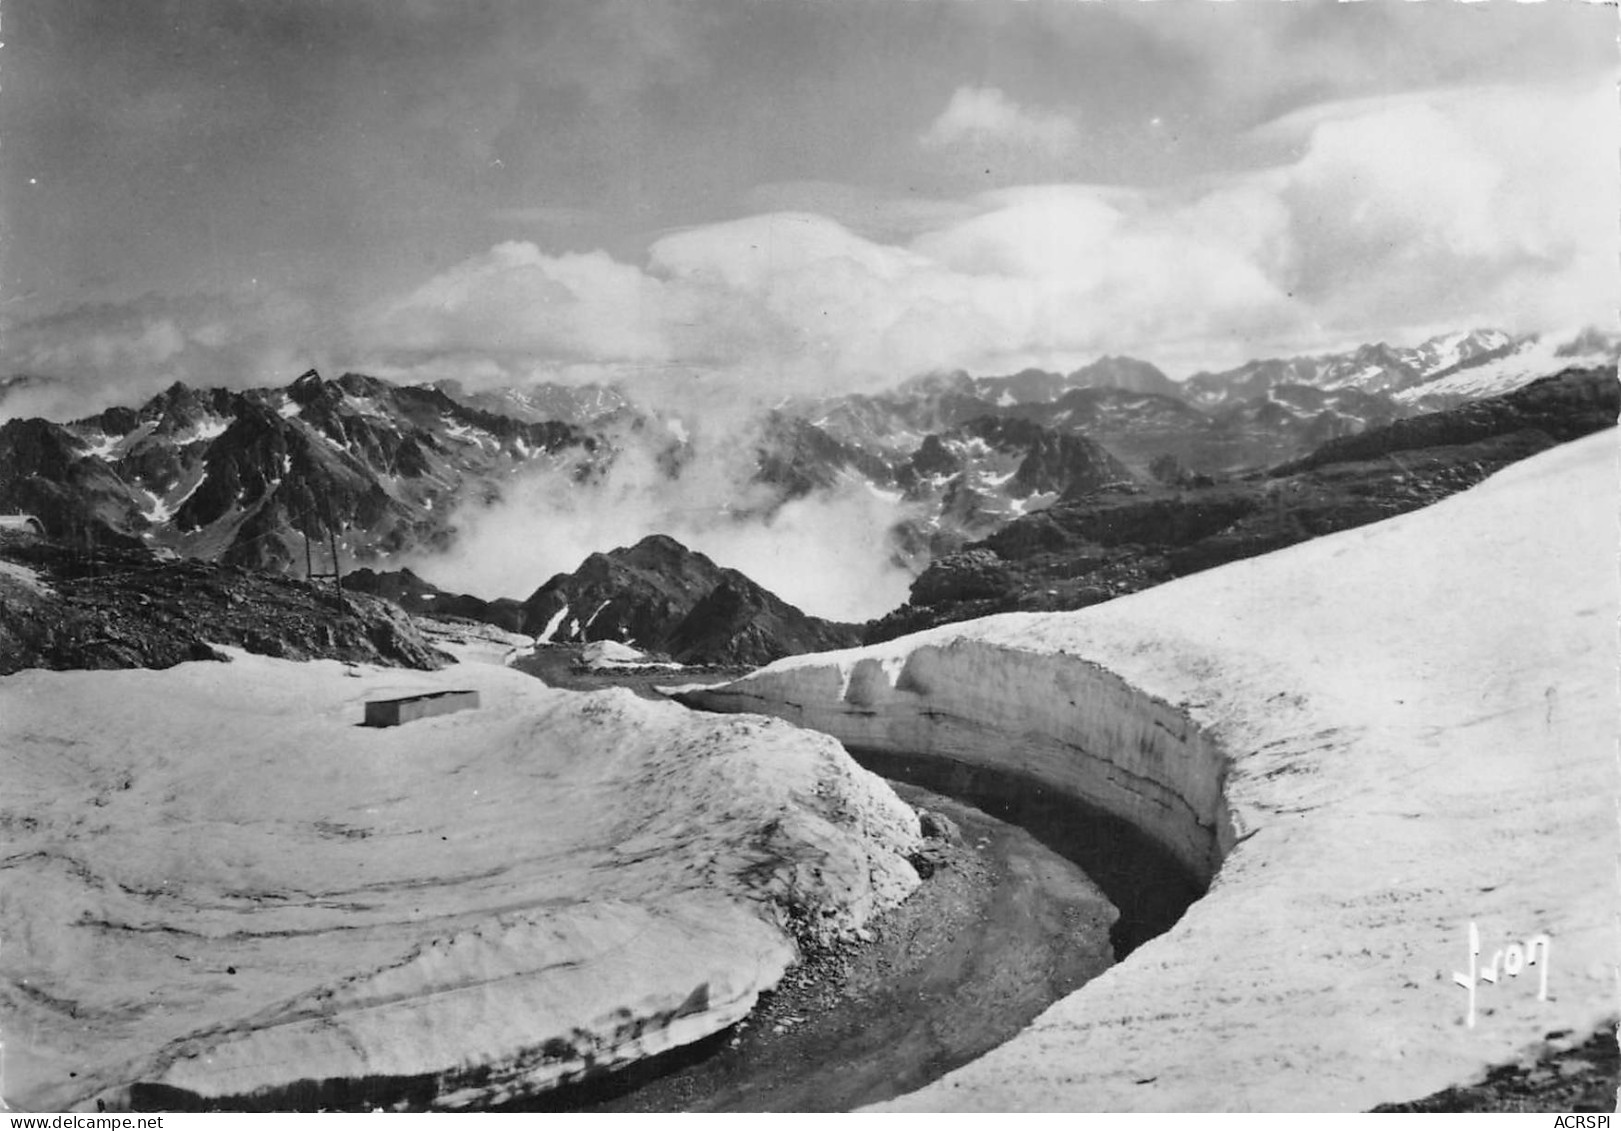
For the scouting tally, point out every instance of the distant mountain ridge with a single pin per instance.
(1090, 548)
(276, 478)
(246, 477)
(1408, 373)
(570, 404)
(423, 598)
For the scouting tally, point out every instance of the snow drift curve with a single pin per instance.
(220, 890)
(1383, 738)
(1069, 724)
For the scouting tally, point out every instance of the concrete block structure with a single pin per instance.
(393, 712)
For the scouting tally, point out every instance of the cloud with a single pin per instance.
(1495, 204)
(1387, 218)
(1384, 218)
(516, 299)
(101, 354)
(548, 216)
(1393, 217)
(613, 49)
(866, 211)
(800, 549)
(984, 116)
(1243, 63)
(792, 303)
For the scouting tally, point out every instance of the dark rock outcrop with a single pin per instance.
(357, 471)
(1564, 407)
(662, 597)
(43, 472)
(245, 477)
(1092, 547)
(1127, 373)
(129, 609)
(968, 575)
(423, 598)
(1053, 461)
(798, 457)
(741, 623)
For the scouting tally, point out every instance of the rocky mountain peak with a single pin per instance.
(36, 447)
(660, 596)
(1127, 373)
(308, 388)
(659, 550)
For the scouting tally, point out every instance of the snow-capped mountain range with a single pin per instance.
(243, 477)
(278, 477)
(1466, 364)
(1377, 368)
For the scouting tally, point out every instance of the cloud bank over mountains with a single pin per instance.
(902, 215)
(1396, 218)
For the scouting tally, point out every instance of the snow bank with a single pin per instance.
(1530, 361)
(473, 643)
(1382, 737)
(216, 880)
(610, 651)
(606, 655)
(1065, 721)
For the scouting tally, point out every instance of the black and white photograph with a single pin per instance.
(579, 556)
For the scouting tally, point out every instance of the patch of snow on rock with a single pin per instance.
(552, 626)
(592, 619)
(473, 643)
(209, 428)
(29, 578)
(1533, 358)
(158, 512)
(101, 445)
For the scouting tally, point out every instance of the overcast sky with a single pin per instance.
(795, 195)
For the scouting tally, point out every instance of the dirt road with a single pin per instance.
(1002, 928)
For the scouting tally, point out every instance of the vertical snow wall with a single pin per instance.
(1068, 724)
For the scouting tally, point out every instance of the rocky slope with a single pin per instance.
(1562, 1073)
(1531, 358)
(1093, 547)
(1563, 408)
(375, 475)
(1258, 414)
(63, 608)
(362, 472)
(1374, 368)
(974, 478)
(582, 405)
(425, 599)
(1372, 741)
(263, 477)
(661, 597)
(459, 911)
